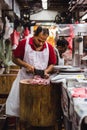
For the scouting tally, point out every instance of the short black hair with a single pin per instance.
(40, 29)
(62, 42)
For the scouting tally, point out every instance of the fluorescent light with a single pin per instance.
(84, 17)
(44, 4)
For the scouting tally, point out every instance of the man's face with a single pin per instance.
(62, 49)
(40, 39)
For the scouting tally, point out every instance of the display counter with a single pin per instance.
(73, 99)
(77, 104)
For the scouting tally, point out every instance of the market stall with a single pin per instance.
(73, 98)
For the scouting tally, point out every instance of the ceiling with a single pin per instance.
(63, 7)
(37, 4)
(58, 5)
(72, 6)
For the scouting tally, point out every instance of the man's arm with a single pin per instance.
(21, 63)
(48, 70)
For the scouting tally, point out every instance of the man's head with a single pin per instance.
(40, 36)
(62, 45)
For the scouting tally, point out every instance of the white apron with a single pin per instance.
(60, 60)
(39, 59)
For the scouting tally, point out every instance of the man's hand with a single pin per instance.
(46, 75)
(30, 69)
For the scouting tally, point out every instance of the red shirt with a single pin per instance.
(20, 50)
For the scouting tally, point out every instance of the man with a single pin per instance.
(31, 54)
(61, 48)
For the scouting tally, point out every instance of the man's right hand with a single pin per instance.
(30, 69)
